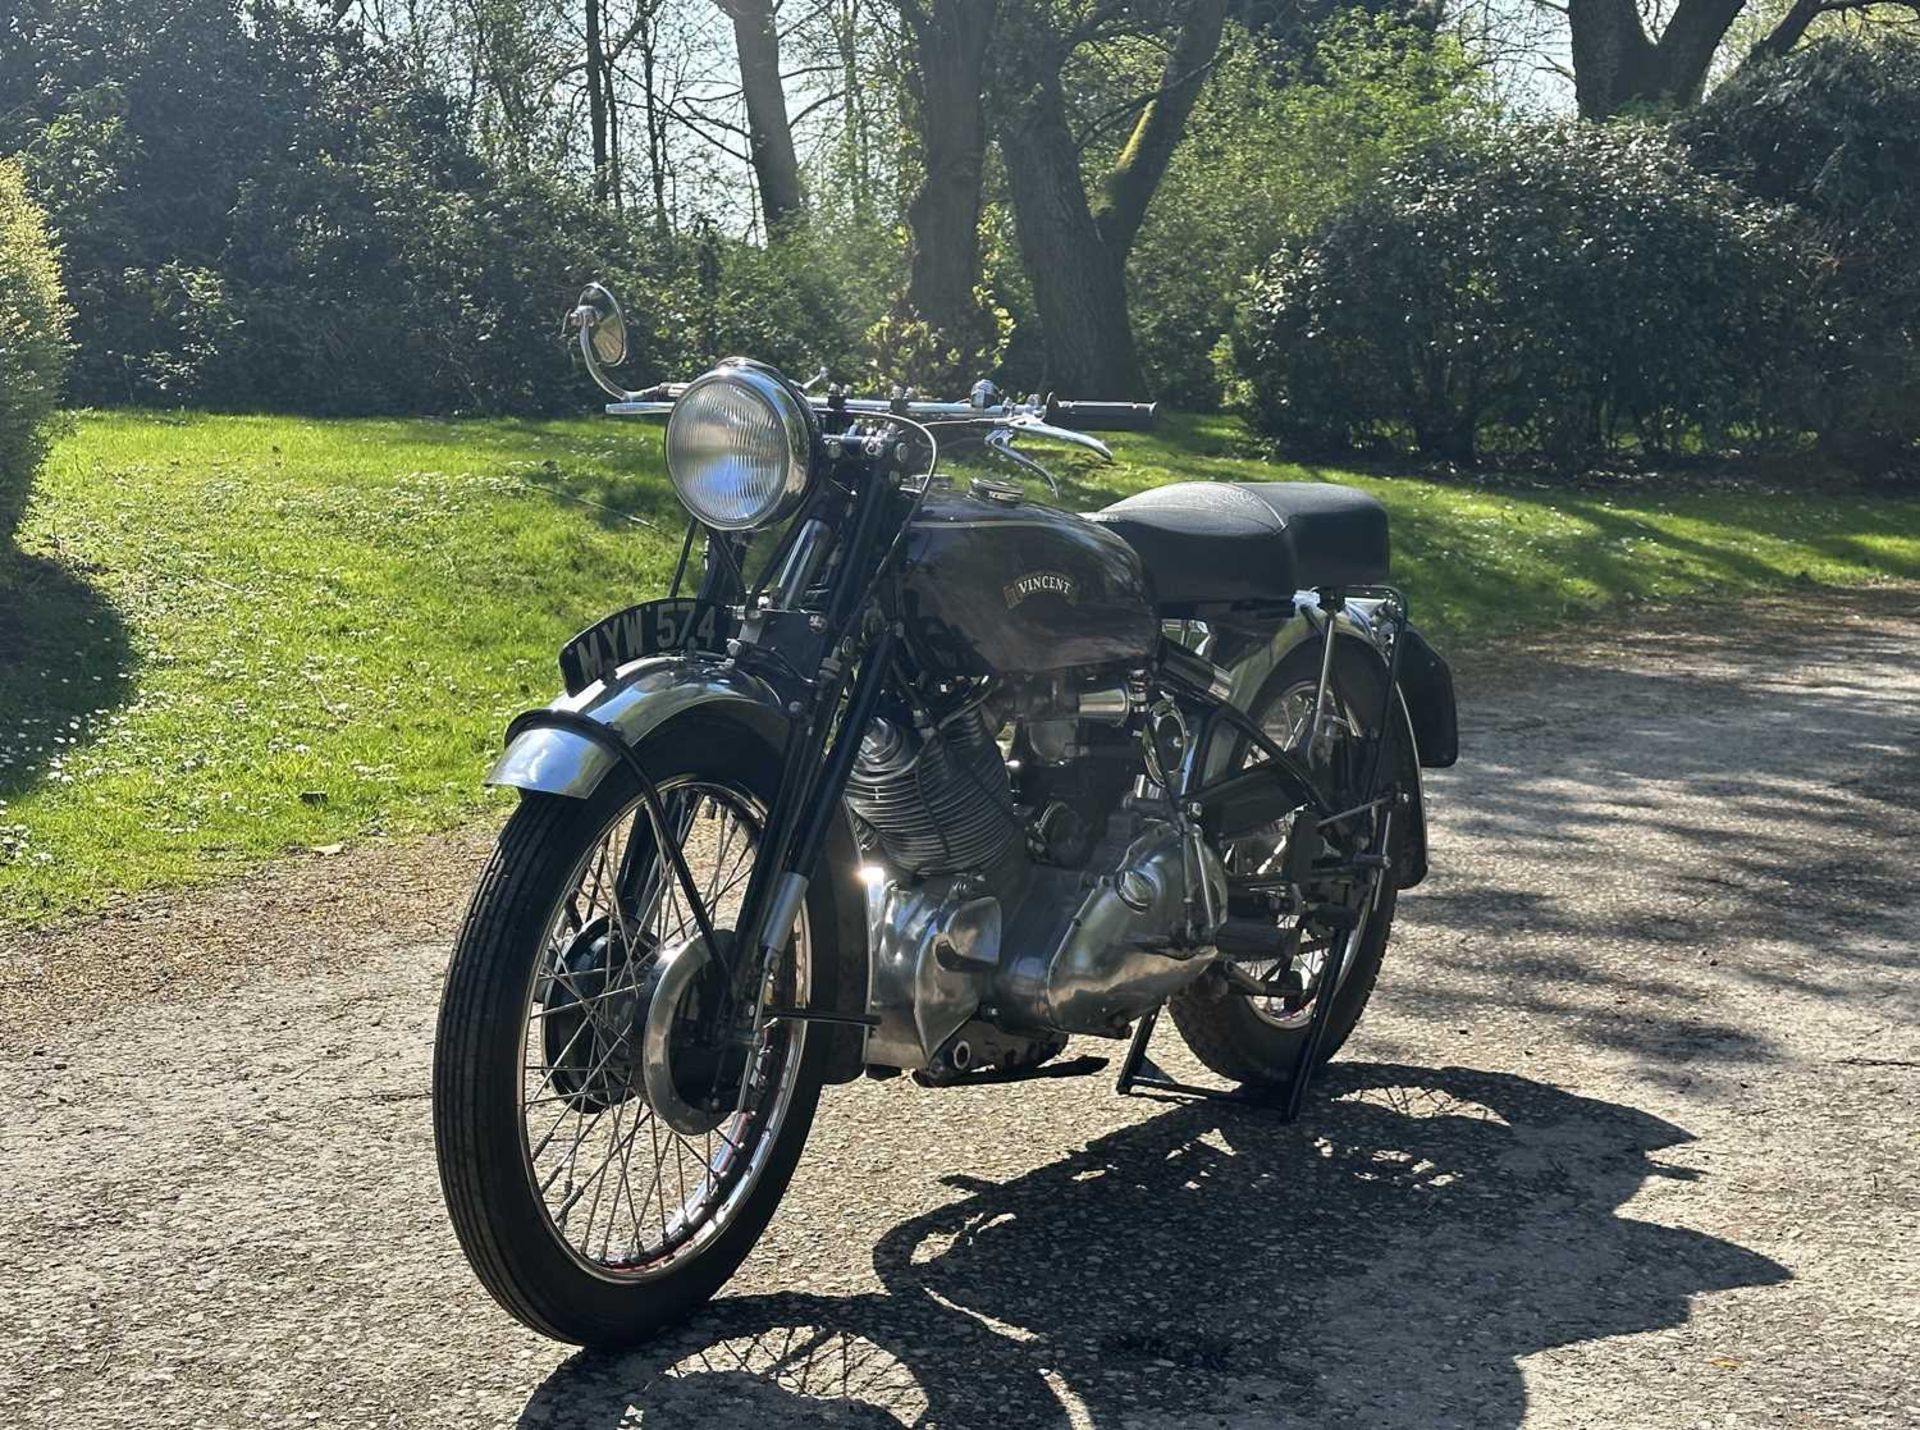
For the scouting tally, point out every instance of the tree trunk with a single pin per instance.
(948, 79)
(1143, 163)
(1616, 67)
(769, 134)
(1075, 257)
(1079, 287)
(598, 119)
(1785, 35)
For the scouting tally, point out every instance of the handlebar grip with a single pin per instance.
(1104, 416)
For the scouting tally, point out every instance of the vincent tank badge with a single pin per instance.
(1051, 582)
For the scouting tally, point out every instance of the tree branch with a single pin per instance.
(820, 103)
(1143, 162)
(1687, 44)
(692, 126)
(1793, 27)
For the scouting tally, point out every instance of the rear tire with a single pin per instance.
(1222, 1028)
(483, 1118)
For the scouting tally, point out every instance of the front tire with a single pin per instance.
(542, 1052)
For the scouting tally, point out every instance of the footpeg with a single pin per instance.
(1333, 916)
(1250, 938)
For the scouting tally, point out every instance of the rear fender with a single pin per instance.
(1426, 684)
(637, 701)
(1354, 622)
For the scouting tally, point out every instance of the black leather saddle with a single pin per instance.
(1205, 543)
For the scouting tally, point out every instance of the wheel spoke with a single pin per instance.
(583, 1100)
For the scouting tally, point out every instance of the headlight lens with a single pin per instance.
(738, 448)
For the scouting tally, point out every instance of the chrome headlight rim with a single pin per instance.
(790, 412)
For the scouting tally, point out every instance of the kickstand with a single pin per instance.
(1136, 1056)
(1317, 1026)
(1138, 1071)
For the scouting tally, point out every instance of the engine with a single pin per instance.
(1012, 898)
(939, 803)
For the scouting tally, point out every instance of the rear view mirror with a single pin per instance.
(603, 327)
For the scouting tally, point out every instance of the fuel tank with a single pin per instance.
(995, 584)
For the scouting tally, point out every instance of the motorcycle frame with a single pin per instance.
(810, 675)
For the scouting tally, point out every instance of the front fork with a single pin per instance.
(812, 785)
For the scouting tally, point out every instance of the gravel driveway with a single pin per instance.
(1628, 1138)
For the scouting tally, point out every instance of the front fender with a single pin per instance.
(637, 700)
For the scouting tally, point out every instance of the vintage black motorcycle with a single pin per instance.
(911, 774)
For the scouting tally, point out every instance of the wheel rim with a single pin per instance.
(1286, 722)
(627, 1195)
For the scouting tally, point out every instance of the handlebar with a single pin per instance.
(1104, 416)
(986, 417)
(1051, 419)
(986, 411)
(1087, 416)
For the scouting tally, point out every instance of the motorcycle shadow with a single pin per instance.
(1387, 1262)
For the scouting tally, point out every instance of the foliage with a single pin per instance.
(1560, 286)
(383, 208)
(1268, 153)
(240, 637)
(802, 303)
(1834, 130)
(33, 347)
(272, 214)
(906, 349)
(263, 211)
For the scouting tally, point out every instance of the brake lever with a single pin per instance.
(1046, 430)
(1000, 443)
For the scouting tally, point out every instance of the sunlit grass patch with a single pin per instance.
(228, 638)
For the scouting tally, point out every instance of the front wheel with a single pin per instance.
(613, 1136)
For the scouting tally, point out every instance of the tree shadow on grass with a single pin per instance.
(1386, 1262)
(65, 666)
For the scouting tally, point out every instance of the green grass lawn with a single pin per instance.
(227, 638)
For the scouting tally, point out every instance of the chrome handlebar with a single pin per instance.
(995, 423)
(998, 423)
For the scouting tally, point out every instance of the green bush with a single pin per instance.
(1834, 130)
(1272, 147)
(261, 210)
(1558, 287)
(33, 342)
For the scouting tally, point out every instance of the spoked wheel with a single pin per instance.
(1256, 1040)
(614, 1125)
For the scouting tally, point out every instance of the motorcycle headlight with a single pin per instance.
(739, 448)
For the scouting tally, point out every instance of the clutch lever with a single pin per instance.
(1000, 442)
(1034, 427)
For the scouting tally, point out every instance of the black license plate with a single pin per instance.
(650, 628)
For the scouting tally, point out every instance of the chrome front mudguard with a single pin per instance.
(639, 699)
(635, 701)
